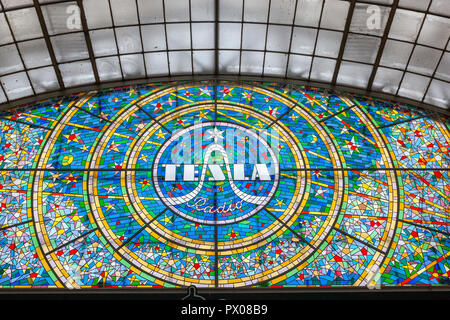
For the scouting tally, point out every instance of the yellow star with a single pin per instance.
(409, 266)
(161, 135)
(143, 157)
(280, 203)
(167, 220)
(57, 220)
(418, 250)
(202, 115)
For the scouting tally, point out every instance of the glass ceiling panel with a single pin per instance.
(9, 59)
(415, 4)
(56, 19)
(5, 34)
(35, 53)
(369, 19)
(108, 68)
(334, 14)
(11, 4)
(24, 24)
(123, 11)
(43, 79)
(395, 47)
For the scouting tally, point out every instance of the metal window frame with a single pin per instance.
(334, 83)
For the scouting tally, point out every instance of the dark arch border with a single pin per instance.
(7, 106)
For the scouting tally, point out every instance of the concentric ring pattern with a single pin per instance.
(223, 184)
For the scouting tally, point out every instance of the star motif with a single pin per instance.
(110, 206)
(317, 173)
(158, 107)
(280, 203)
(310, 102)
(145, 182)
(202, 115)
(161, 135)
(352, 146)
(104, 115)
(143, 157)
(167, 220)
(320, 192)
(92, 105)
(344, 130)
(248, 96)
(110, 189)
(226, 92)
(73, 137)
(55, 176)
(215, 134)
(140, 126)
(233, 234)
(6, 128)
(273, 111)
(56, 106)
(170, 101)
(71, 178)
(132, 92)
(204, 91)
(113, 147)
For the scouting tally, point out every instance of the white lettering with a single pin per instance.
(239, 172)
(217, 173)
(261, 171)
(73, 21)
(191, 172)
(171, 171)
(374, 20)
(193, 310)
(224, 209)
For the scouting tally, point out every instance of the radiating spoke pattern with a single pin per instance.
(223, 184)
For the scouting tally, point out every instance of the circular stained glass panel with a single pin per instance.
(223, 185)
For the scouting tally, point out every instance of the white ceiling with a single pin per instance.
(396, 47)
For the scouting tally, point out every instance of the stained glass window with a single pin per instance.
(397, 48)
(223, 184)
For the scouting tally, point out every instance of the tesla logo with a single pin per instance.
(215, 172)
